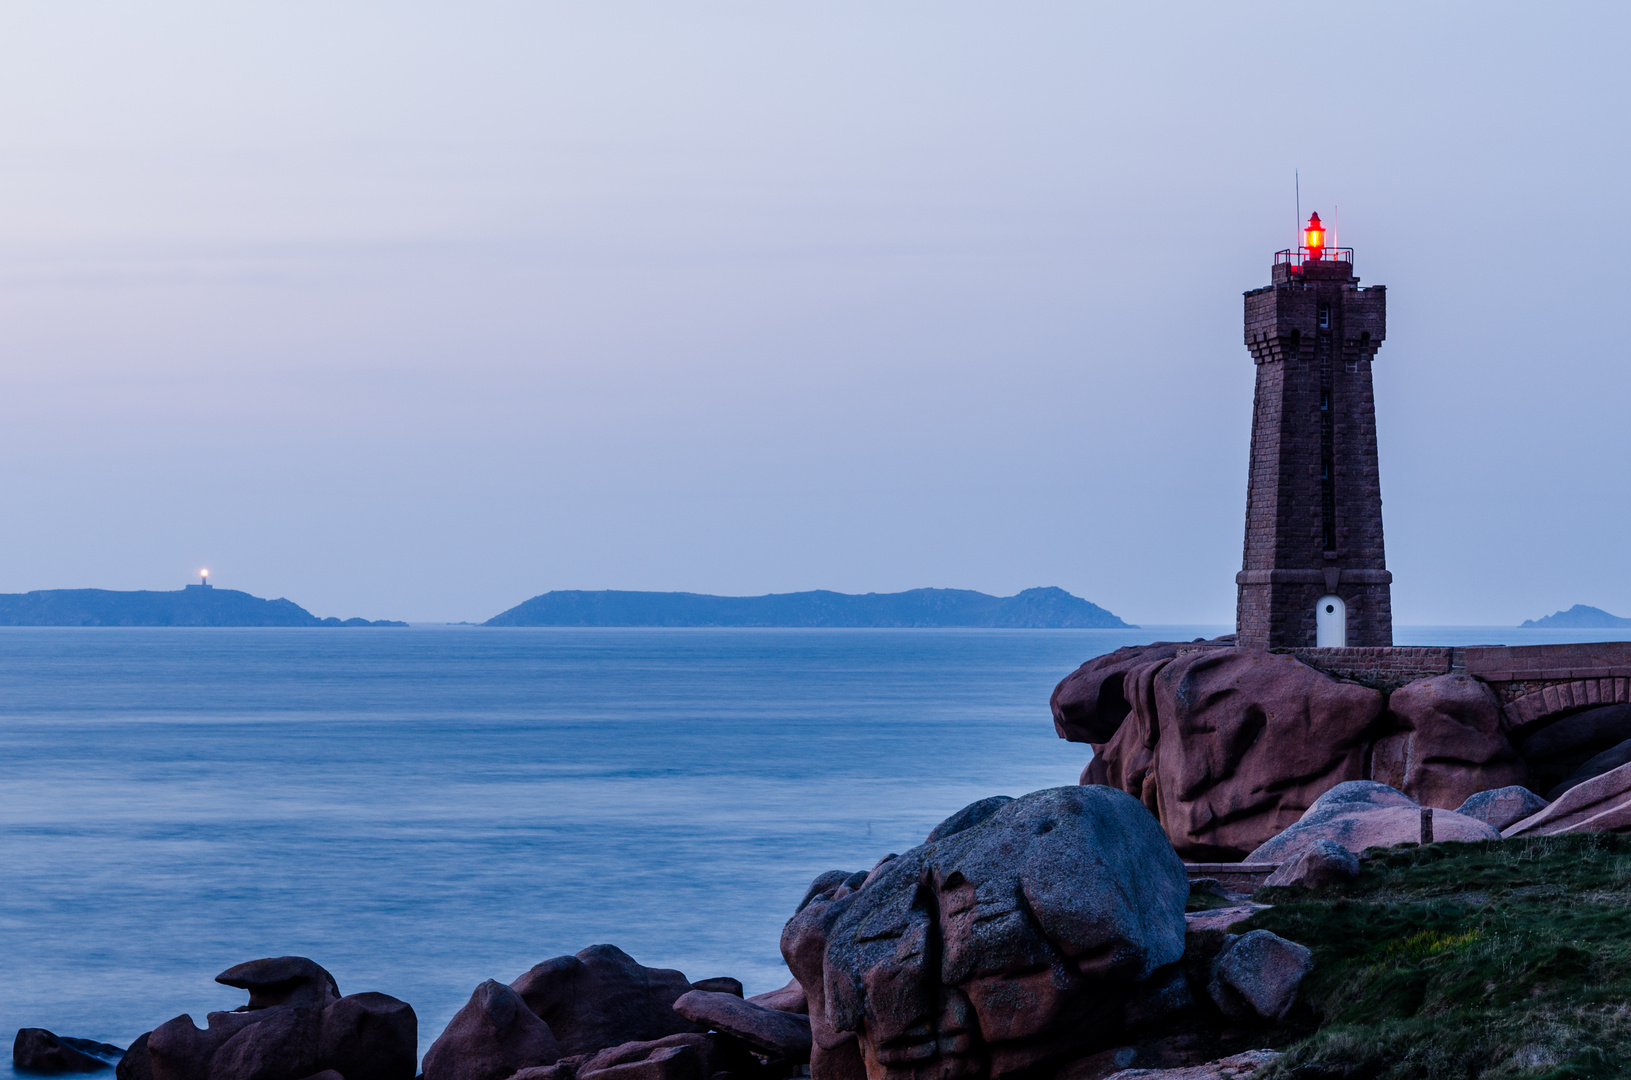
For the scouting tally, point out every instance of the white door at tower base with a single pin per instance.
(1331, 623)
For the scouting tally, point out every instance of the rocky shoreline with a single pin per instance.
(1045, 934)
(1229, 747)
(1056, 936)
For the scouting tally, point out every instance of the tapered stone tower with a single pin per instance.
(1315, 572)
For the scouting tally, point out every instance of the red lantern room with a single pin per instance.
(1314, 238)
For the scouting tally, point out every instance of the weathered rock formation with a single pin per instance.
(1023, 938)
(1322, 863)
(1447, 743)
(296, 1025)
(492, 1037)
(1361, 814)
(1502, 806)
(37, 1050)
(603, 997)
(1255, 977)
(782, 1036)
(789, 998)
(1601, 804)
(1228, 746)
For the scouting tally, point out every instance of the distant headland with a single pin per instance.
(1579, 617)
(1046, 608)
(195, 605)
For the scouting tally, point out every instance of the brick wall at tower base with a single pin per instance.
(1281, 614)
(1384, 667)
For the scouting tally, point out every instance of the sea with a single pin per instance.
(422, 809)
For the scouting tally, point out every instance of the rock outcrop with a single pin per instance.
(37, 1050)
(1016, 941)
(492, 1037)
(1229, 746)
(687, 1056)
(1256, 976)
(722, 984)
(783, 1036)
(789, 998)
(1090, 703)
(369, 1036)
(1323, 863)
(1449, 742)
(1363, 814)
(1503, 806)
(296, 1025)
(1601, 804)
(603, 997)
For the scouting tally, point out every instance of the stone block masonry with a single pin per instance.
(1314, 497)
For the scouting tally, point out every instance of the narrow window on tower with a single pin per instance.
(1325, 401)
(1325, 316)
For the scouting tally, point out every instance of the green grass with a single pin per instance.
(1202, 901)
(1504, 958)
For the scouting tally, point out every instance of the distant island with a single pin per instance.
(195, 605)
(1579, 617)
(1049, 608)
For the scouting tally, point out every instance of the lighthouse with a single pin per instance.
(1314, 571)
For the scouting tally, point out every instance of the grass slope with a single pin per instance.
(1507, 958)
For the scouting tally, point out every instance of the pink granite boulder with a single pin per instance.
(789, 998)
(1256, 976)
(1363, 814)
(37, 1050)
(603, 997)
(369, 1037)
(1230, 746)
(1449, 742)
(296, 1025)
(834, 1054)
(1004, 948)
(492, 1037)
(1089, 705)
(783, 1036)
(1502, 806)
(687, 1056)
(1601, 804)
(720, 984)
(282, 980)
(1323, 863)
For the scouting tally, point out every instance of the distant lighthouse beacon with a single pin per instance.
(1314, 571)
(203, 580)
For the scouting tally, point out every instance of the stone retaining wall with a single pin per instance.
(1234, 876)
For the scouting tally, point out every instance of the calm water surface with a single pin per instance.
(419, 810)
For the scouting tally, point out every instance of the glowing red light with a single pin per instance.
(1314, 237)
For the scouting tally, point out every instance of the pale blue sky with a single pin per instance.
(416, 310)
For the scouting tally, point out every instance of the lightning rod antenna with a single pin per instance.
(1296, 179)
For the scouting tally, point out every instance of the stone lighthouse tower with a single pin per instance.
(1314, 572)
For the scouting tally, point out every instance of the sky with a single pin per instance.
(416, 310)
